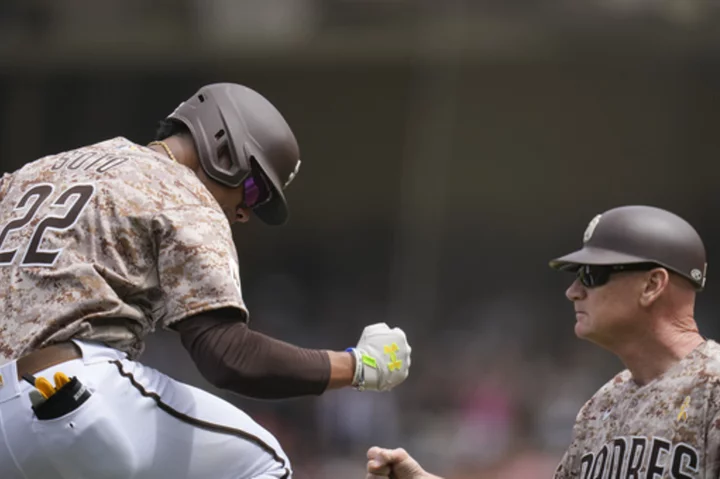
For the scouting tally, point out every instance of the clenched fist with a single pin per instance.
(394, 464)
(382, 358)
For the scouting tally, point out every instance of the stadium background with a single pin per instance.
(449, 150)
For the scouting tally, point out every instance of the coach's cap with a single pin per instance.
(640, 234)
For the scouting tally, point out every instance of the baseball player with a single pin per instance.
(637, 275)
(101, 245)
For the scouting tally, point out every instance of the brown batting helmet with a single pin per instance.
(640, 234)
(233, 127)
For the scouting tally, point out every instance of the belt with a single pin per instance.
(47, 357)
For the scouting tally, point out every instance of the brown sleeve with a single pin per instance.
(231, 356)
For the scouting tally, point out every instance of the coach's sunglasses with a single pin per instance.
(256, 190)
(592, 276)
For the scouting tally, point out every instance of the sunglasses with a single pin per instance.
(256, 191)
(592, 276)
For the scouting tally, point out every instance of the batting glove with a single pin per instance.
(382, 358)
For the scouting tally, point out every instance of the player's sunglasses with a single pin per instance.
(256, 191)
(592, 276)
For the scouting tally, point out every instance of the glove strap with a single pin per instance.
(359, 377)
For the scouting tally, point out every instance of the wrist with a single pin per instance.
(358, 381)
(342, 369)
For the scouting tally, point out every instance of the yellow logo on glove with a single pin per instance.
(394, 363)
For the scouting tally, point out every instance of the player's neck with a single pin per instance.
(649, 356)
(183, 150)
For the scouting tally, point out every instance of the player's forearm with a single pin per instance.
(231, 356)
(342, 369)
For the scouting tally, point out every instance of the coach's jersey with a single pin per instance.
(106, 243)
(668, 428)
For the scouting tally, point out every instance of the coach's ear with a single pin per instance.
(655, 283)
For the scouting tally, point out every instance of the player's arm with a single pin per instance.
(198, 274)
(232, 356)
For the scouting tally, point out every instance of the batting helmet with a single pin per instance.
(234, 127)
(640, 234)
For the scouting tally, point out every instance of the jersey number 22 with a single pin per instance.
(77, 196)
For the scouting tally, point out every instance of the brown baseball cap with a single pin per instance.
(640, 234)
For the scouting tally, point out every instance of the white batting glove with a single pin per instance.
(382, 358)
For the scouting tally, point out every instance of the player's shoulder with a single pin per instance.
(150, 161)
(606, 395)
(710, 349)
(85, 161)
(614, 386)
(617, 382)
(118, 145)
(707, 360)
(5, 180)
(157, 176)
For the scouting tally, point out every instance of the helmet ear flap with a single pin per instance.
(229, 160)
(224, 159)
(218, 152)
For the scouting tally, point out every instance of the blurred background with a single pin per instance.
(450, 149)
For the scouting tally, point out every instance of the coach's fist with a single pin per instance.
(395, 464)
(382, 358)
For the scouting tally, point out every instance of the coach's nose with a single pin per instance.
(576, 291)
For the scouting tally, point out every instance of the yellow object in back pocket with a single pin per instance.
(61, 379)
(45, 388)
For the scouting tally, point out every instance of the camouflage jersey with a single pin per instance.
(668, 428)
(108, 242)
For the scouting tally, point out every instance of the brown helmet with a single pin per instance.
(234, 127)
(640, 234)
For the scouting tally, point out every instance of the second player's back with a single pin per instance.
(78, 241)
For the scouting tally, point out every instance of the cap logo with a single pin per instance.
(591, 228)
(696, 274)
(292, 175)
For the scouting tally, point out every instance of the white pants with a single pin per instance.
(138, 424)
